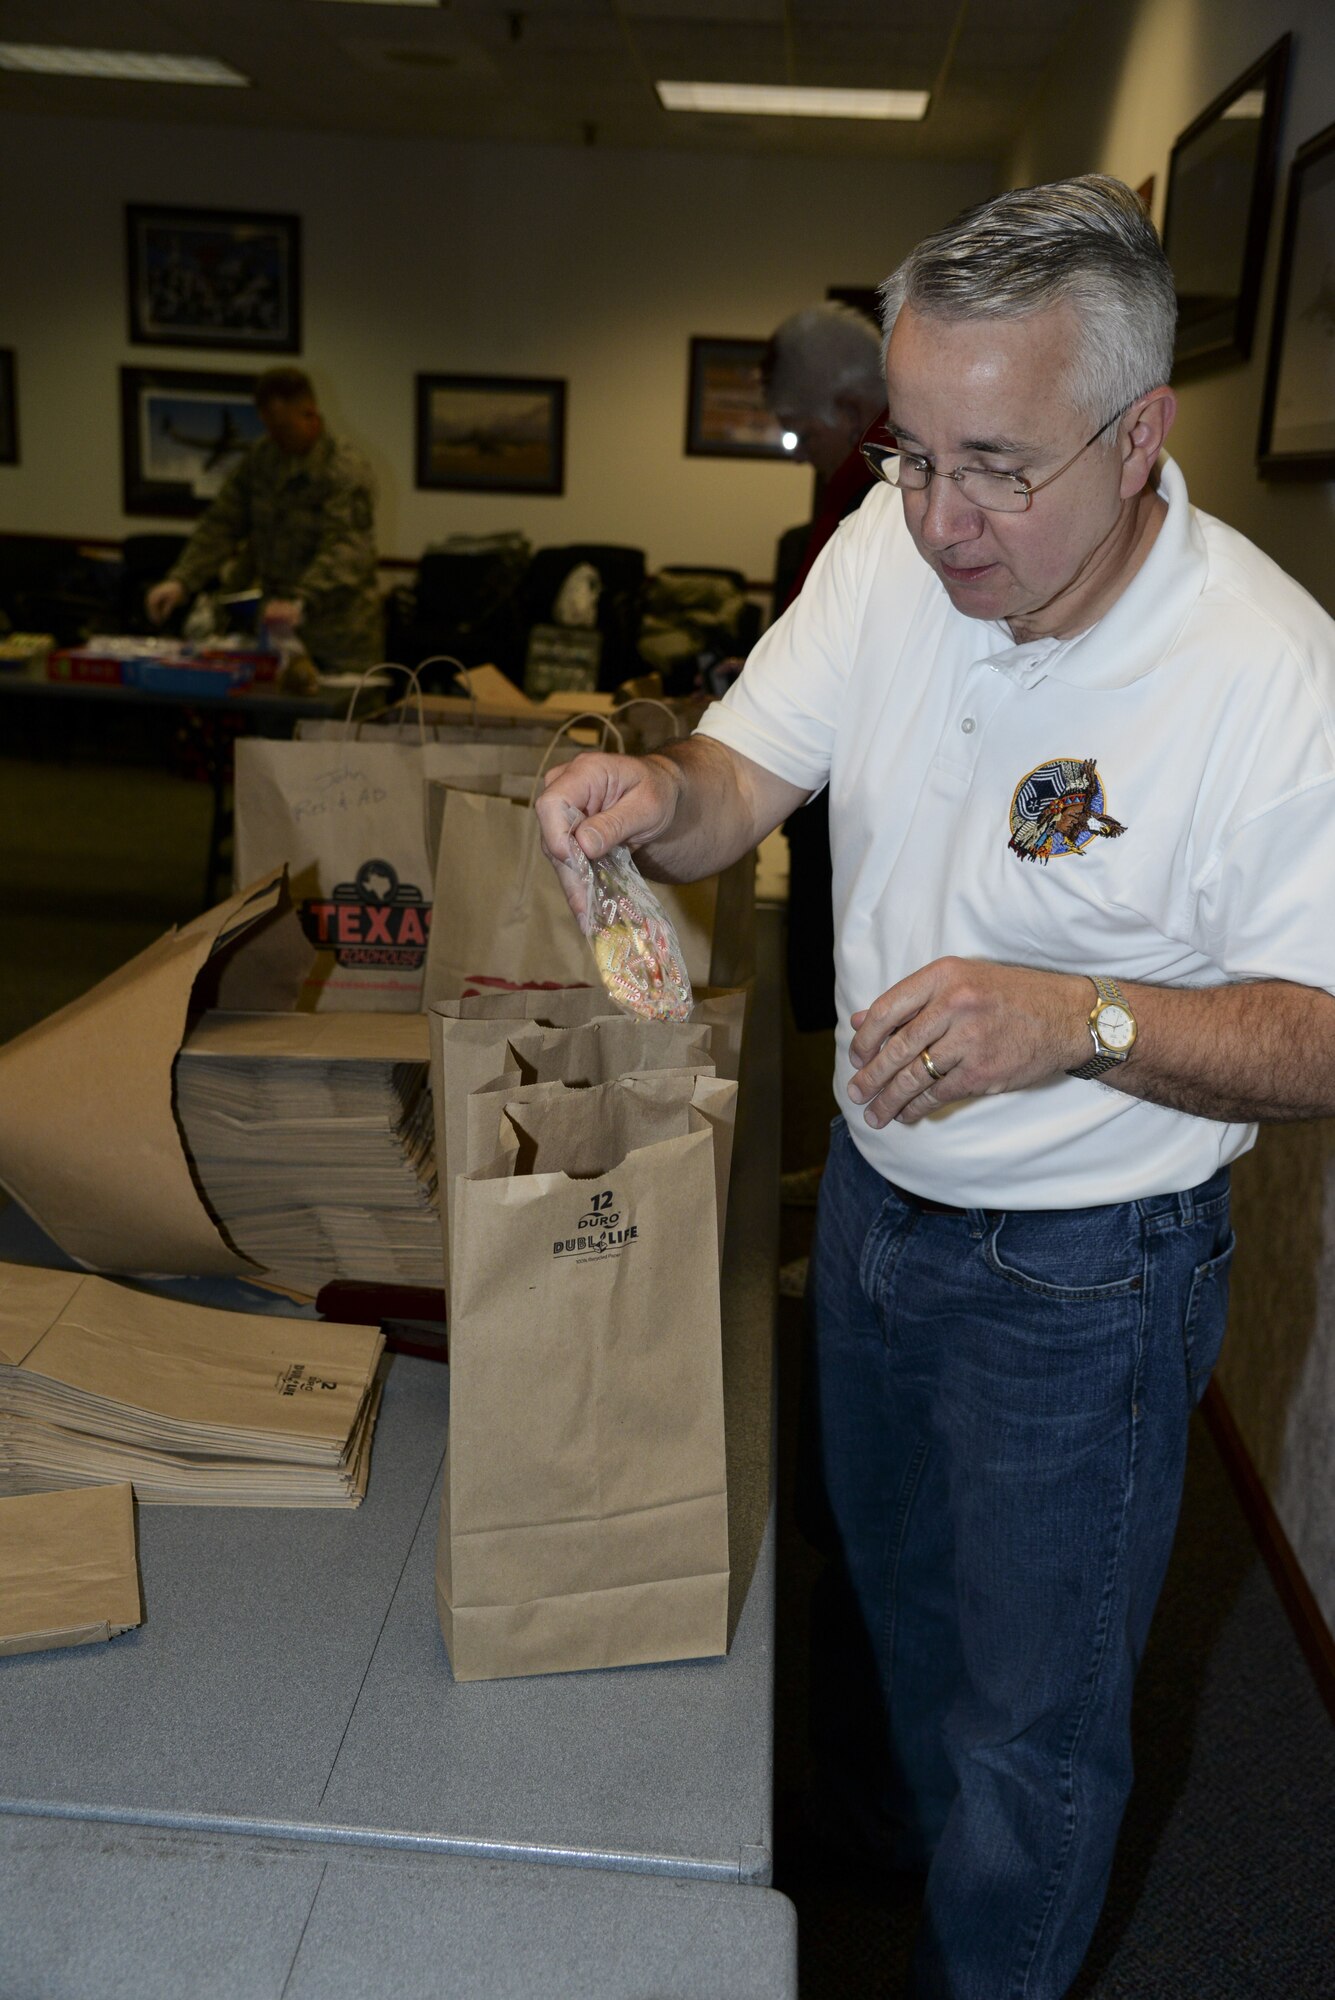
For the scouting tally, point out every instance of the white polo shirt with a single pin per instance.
(975, 786)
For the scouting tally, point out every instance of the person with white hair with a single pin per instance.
(823, 381)
(1079, 740)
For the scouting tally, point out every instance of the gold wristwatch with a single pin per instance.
(1112, 1029)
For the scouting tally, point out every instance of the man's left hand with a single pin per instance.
(988, 1028)
(283, 612)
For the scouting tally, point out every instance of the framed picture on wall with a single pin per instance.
(1221, 184)
(9, 408)
(182, 432)
(491, 433)
(1298, 407)
(212, 277)
(726, 415)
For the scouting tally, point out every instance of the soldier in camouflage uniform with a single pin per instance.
(296, 519)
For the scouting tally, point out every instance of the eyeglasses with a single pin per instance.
(995, 492)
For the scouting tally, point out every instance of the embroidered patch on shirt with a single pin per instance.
(1059, 808)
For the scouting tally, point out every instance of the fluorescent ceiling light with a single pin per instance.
(792, 100)
(397, 3)
(125, 64)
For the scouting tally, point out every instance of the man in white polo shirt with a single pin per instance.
(1080, 747)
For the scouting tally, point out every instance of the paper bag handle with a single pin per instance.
(651, 701)
(605, 723)
(393, 667)
(448, 660)
(609, 728)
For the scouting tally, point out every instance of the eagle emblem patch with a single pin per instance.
(1059, 808)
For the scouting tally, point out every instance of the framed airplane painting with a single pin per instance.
(183, 430)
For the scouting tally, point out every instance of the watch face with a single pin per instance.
(1115, 1027)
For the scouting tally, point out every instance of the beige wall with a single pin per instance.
(1130, 78)
(424, 256)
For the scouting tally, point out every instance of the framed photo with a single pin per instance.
(491, 433)
(9, 409)
(1298, 407)
(182, 432)
(726, 415)
(1221, 183)
(213, 277)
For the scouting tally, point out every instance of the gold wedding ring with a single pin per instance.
(930, 1066)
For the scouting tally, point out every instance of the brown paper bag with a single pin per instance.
(346, 819)
(88, 1139)
(500, 912)
(467, 1055)
(500, 770)
(551, 1006)
(584, 1513)
(68, 1572)
(311, 1137)
(344, 806)
(535, 1110)
(720, 1009)
(226, 1403)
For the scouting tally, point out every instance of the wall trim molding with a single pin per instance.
(1313, 1634)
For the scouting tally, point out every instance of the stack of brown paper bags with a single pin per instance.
(311, 1136)
(68, 1573)
(89, 1141)
(195, 1406)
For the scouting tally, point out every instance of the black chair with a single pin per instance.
(621, 591)
(465, 603)
(47, 584)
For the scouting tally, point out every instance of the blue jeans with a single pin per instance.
(1001, 1405)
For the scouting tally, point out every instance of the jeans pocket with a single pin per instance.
(1206, 1317)
(1078, 1254)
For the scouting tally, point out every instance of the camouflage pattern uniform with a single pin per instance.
(298, 525)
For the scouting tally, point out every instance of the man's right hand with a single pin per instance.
(690, 810)
(163, 599)
(597, 802)
(605, 801)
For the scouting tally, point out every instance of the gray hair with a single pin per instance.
(819, 355)
(1085, 243)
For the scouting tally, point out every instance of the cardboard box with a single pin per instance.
(90, 668)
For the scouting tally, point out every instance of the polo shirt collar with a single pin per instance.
(1138, 628)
